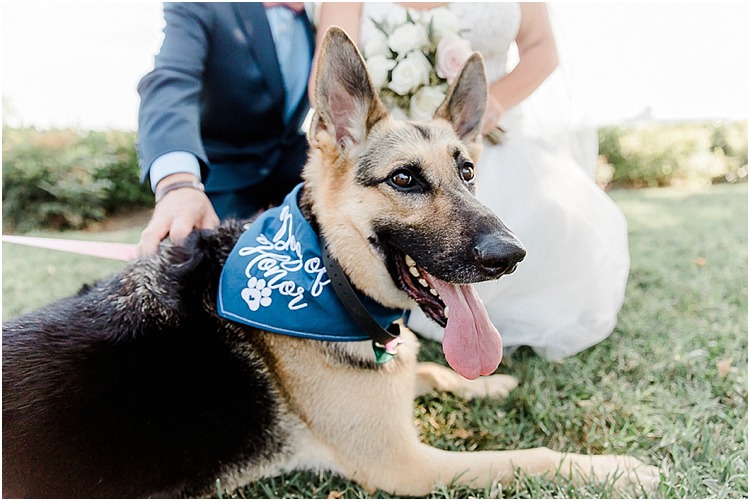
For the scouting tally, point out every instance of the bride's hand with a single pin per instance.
(490, 129)
(492, 115)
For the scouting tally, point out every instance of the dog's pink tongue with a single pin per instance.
(472, 345)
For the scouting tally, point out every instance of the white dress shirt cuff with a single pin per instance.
(172, 163)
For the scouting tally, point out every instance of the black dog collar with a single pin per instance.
(348, 296)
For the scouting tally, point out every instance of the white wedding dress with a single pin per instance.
(565, 296)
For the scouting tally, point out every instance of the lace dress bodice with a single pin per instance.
(491, 28)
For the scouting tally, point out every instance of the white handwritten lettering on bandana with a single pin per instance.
(274, 279)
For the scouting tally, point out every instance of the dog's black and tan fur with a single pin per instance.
(137, 388)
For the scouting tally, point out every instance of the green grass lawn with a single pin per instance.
(668, 386)
(33, 277)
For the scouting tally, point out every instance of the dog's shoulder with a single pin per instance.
(180, 279)
(160, 292)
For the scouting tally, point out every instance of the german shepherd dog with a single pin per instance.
(136, 387)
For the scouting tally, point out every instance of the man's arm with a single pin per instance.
(169, 140)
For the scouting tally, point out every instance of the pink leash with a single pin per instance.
(107, 250)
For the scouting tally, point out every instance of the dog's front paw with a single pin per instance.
(500, 385)
(494, 386)
(625, 473)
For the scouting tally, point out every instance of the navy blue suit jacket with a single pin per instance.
(216, 91)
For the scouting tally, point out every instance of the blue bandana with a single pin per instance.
(274, 279)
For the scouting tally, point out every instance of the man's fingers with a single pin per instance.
(158, 230)
(151, 237)
(181, 228)
(176, 215)
(210, 220)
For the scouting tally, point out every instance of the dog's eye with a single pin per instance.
(467, 171)
(403, 180)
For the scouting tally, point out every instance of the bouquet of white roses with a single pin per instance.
(413, 62)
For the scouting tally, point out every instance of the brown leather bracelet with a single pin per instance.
(176, 186)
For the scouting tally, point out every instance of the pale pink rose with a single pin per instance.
(452, 53)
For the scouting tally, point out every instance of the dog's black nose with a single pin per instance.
(498, 254)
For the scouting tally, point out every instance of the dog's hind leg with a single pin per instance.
(435, 377)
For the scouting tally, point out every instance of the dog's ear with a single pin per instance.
(465, 103)
(347, 104)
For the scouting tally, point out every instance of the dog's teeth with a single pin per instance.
(414, 271)
(434, 292)
(446, 311)
(409, 261)
(423, 282)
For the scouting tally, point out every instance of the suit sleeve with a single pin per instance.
(169, 114)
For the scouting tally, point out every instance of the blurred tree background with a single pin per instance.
(69, 179)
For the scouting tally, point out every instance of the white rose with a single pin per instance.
(425, 102)
(377, 45)
(398, 113)
(410, 73)
(407, 37)
(396, 19)
(417, 16)
(444, 22)
(379, 66)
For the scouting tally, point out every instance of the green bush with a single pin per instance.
(66, 179)
(665, 154)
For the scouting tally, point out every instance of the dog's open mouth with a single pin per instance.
(472, 345)
(418, 285)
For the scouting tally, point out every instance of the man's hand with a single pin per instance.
(176, 215)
